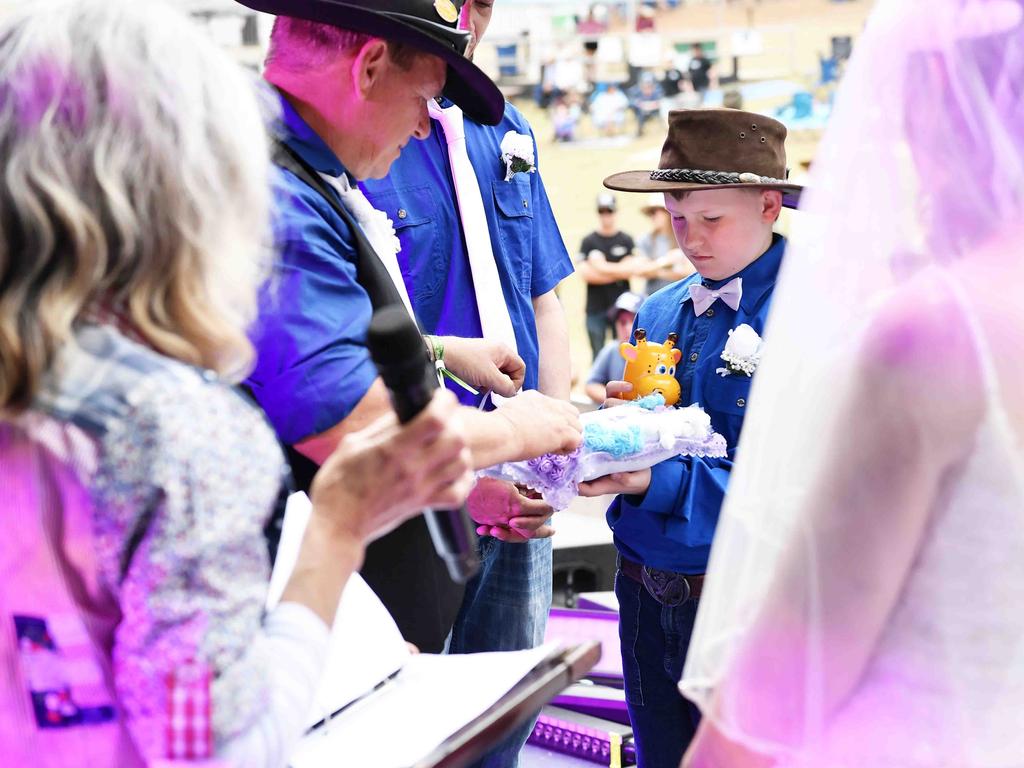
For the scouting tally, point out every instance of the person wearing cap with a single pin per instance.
(723, 175)
(609, 365)
(658, 245)
(605, 262)
(354, 79)
(461, 223)
(645, 100)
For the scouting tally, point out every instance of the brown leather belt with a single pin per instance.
(666, 587)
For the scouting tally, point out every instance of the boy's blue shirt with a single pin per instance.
(672, 524)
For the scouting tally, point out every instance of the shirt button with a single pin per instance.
(710, 313)
(741, 402)
(526, 203)
(402, 213)
(693, 358)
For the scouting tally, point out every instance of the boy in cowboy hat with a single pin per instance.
(723, 173)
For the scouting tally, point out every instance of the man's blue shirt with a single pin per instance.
(671, 526)
(419, 196)
(312, 366)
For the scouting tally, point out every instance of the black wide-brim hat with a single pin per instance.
(430, 26)
(717, 149)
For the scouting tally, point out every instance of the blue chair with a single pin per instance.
(508, 60)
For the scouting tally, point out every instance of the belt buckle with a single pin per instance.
(671, 589)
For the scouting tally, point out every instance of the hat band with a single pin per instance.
(691, 176)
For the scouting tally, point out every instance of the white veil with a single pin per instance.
(922, 161)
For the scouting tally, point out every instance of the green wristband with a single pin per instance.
(435, 347)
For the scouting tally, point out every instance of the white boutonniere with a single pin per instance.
(742, 352)
(517, 152)
(376, 225)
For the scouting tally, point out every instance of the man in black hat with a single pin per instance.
(354, 79)
(483, 254)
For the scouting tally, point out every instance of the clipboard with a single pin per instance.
(419, 720)
(520, 704)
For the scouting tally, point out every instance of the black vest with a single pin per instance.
(402, 567)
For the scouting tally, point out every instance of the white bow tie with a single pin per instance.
(730, 293)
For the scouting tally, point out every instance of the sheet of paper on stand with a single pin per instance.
(598, 601)
(366, 645)
(604, 701)
(569, 626)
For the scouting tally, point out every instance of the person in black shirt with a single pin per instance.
(700, 69)
(606, 262)
(670, 81)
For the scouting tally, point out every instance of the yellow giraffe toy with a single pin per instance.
(651, 368)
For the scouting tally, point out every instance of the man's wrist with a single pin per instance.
(513, 437)
(435, 347)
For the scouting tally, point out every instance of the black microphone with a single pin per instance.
(398, 349)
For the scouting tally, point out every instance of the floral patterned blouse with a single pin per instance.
(141, 488)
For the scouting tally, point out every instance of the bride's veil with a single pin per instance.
(923, 159)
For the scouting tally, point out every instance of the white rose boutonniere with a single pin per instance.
(517, 152)
(742, 351)
(376, 225)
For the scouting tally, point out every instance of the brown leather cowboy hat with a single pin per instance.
(430, 26)
(716, 149)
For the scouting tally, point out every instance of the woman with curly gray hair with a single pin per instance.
(136, 483)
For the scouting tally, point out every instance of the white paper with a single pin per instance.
(412, 714)
(366, 645)
(430, 699)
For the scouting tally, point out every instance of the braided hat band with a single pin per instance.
(691, 176)
(716, 149)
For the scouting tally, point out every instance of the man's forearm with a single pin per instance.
(375, 403)
(554, 363)
(491, 437)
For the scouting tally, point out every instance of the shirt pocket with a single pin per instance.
(512, 201)
(727, 397)
(413, 212)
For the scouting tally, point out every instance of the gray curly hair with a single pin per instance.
(135, 180)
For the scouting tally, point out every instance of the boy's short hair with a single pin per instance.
(682, 194)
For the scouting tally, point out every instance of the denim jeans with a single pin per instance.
(506, 609)
(654, 640)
